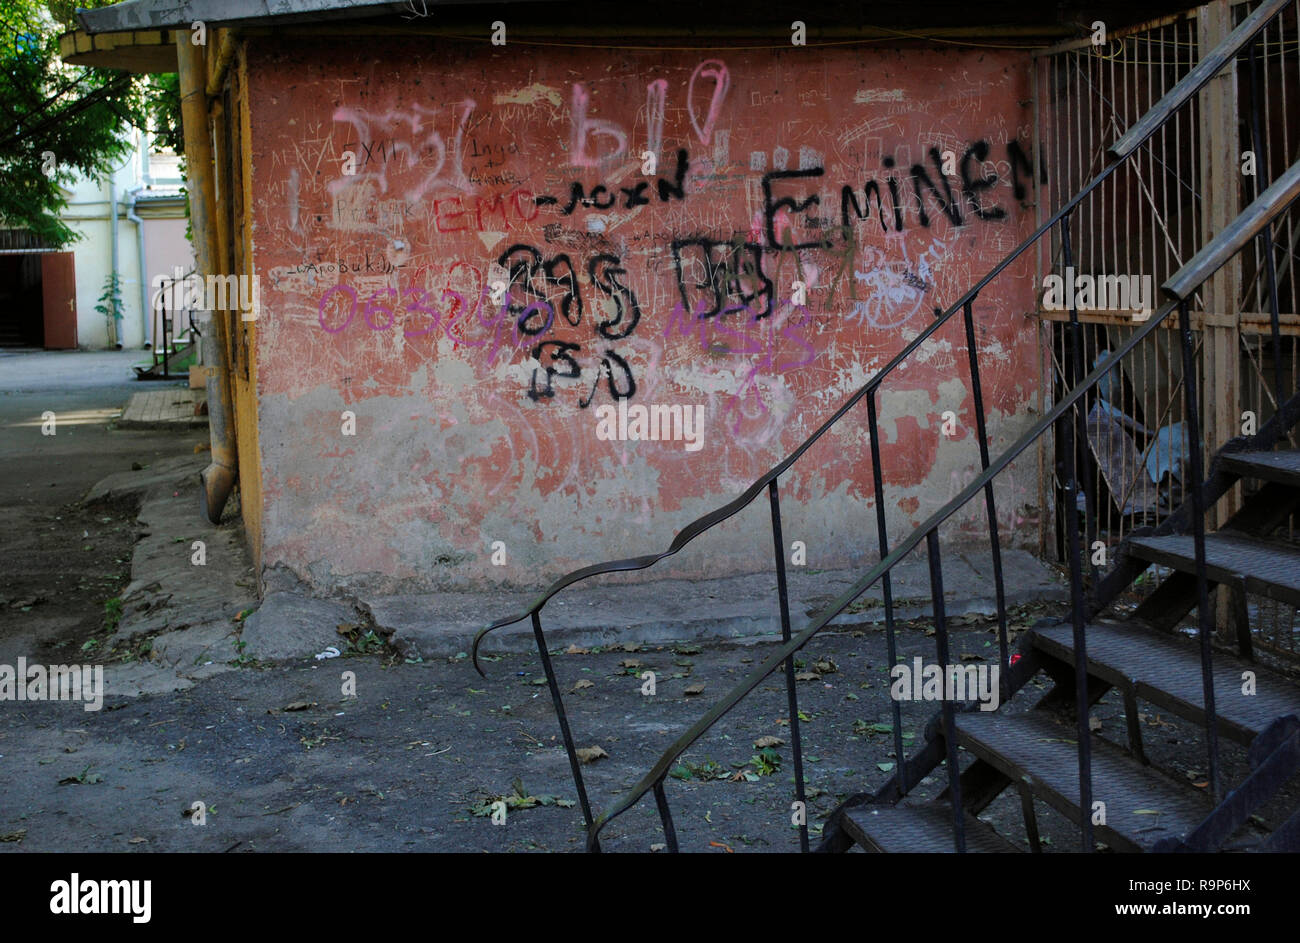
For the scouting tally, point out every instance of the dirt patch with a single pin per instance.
(65, 568)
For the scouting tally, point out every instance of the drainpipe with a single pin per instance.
(146, 146)
(132, 201)
(218, 479)
(225, 52)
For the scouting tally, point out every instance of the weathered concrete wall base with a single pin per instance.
(732, 608)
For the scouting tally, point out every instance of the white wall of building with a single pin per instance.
(90, 213)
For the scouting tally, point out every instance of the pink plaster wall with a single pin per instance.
(165, 250)
(476, 421)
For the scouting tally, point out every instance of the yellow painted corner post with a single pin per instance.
(218, 479)
(246, 408)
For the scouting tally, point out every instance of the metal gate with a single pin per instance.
(1199, 171)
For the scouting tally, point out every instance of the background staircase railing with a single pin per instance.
(1066, 418)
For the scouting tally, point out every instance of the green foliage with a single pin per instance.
(520, 798)
(110, 300)
(766, 761)
(112, 613)
(56, 119)
(686, 770)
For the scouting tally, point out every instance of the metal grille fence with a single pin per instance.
(1161, 207)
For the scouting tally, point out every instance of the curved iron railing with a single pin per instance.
(1242, 37)
(1266, 207)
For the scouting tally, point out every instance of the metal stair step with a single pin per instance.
(1143, 806)
(1167, 672)
(925, 827)
(1282, 467)
(1269, 569)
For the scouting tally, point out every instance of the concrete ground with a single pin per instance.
(60, 560)
(395, 743)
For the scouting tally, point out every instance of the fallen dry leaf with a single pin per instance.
(580, 685)
(825, 666)
(717, 844)
(695, 689)
(14, 836)
(591, 754)
(137, 841)
(299, 705)
(807, 676)
(575, 650)
(631, 646)
(1155, 721)
(629, 663)
(1094, 724)
(769, 741)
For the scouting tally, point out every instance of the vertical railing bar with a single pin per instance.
(1198, 539)
(1286, 144)
(792, 699)
(981, 428)
(1266, 246)
(562, 716)
(159, 319)
(1078, 370)
(1072, 429)
(949, 720)
(666, 817)
(1062, 372)
(1157, 149)
(167, 343)
(891, 642)
(1130, 115)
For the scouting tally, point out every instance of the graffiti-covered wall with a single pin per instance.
(569, 299)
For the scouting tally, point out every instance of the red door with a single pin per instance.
(59, 289)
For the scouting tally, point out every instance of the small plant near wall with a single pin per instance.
(110, 306)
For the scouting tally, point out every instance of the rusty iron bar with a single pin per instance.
(1204, 623)
(792, 699)
(1075, 365)
(949, 718)
(666, 817)
(1266, 244)
(1072, 429)
(882, 533)
(563, 719)
(995, 547)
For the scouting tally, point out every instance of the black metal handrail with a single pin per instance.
(1271, 203)
(1151, 122)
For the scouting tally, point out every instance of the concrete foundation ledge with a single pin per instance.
(733, 608)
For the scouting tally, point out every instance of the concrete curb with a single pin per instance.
(733, 609)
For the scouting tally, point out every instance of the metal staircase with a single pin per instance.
(1040, 742)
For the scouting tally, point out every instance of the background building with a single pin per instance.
(50, 302)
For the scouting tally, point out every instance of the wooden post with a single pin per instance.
(1220, 182)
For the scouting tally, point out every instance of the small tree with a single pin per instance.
(110, 306)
